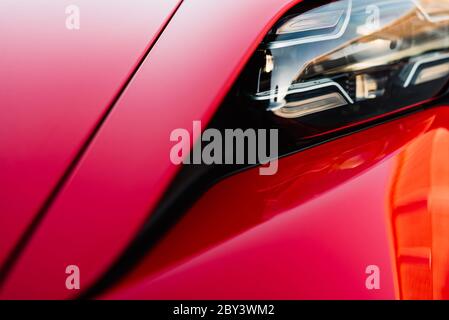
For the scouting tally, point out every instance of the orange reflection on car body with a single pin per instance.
(419, 202)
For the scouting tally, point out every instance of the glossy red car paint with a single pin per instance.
(307, 232)
(127, 167)
(55, 86)
(310, 231)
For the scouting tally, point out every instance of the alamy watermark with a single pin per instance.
(73, 17)
(72, 282)
(372, 281)
(228, 146)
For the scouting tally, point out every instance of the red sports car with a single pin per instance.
(207, 149)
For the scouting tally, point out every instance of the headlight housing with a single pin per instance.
(328, 65)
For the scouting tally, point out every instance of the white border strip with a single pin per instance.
(427, 16)
(293, 42)
(420, 63)
(328, 83)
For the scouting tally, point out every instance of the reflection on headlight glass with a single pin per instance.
(351, 60)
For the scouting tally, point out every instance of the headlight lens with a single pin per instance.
(338, 63)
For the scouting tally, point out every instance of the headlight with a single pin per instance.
(329, 65)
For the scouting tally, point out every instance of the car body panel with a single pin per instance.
(377, 197)
(373, 198)
(127, 166)
(56, 85)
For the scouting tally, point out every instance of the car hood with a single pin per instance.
(62, 68)
(112, 190)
